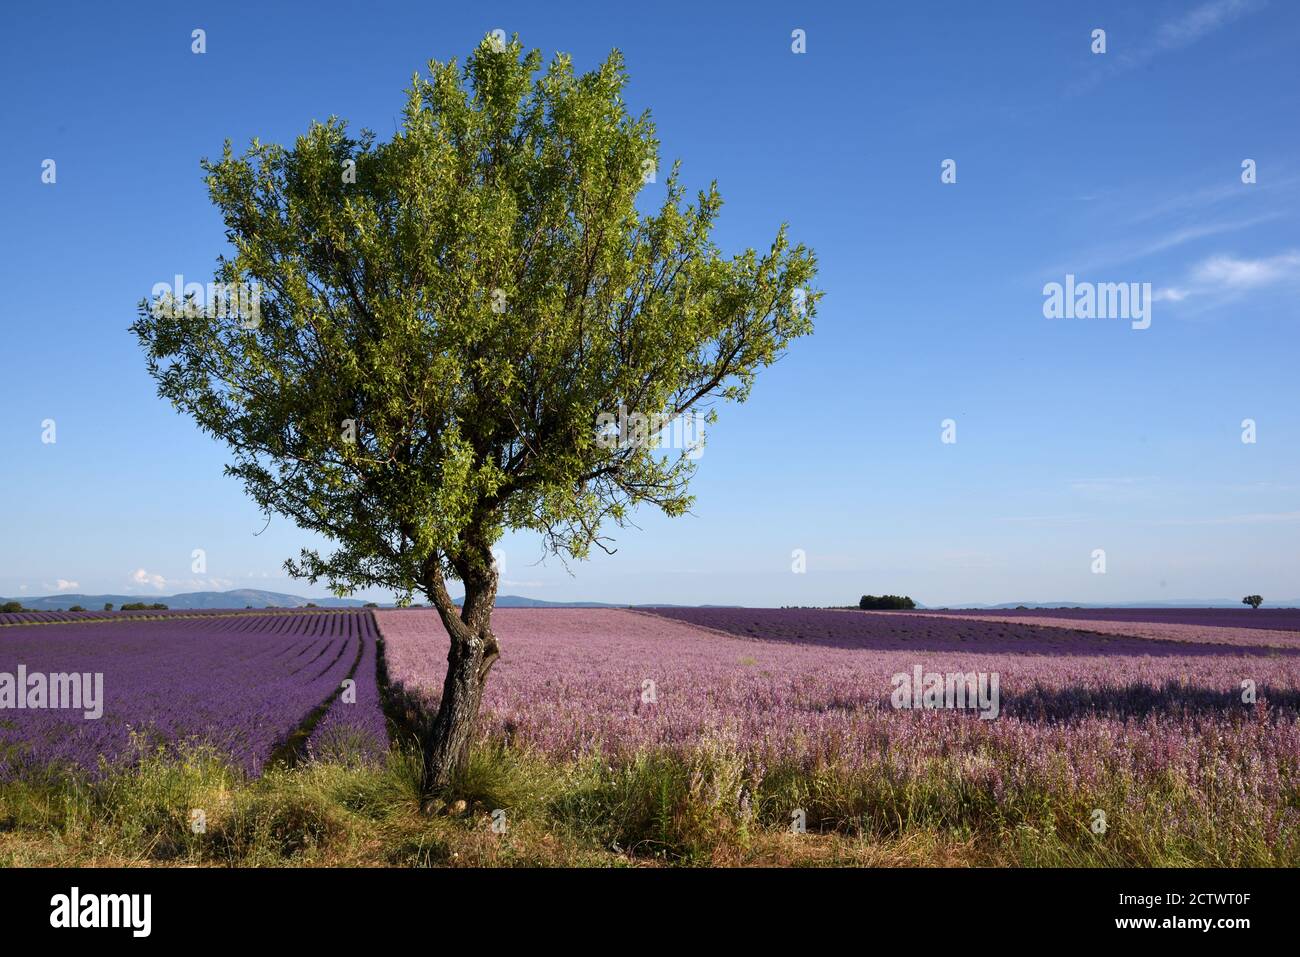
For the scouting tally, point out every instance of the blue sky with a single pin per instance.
(1072, 434)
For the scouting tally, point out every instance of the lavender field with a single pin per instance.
(243, 683)
(1109, 721)
(1185, 736)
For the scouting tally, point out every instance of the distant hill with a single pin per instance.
(256, 598)
(518, 601)
(238, 598)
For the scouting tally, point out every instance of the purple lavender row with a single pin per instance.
(356, 728)
(43, 617)
(240, 684)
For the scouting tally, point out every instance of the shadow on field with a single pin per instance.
(1119, 702)
(866, 632)
(1142, 700)
(410, 714)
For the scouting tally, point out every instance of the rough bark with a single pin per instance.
(473, 651)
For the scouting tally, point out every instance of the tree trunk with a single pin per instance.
(473, 651)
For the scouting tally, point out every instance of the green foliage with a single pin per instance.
(880, 602)
(1254, 601)
(439, 333)
(10, 607)
(142, 606)
(108, 606)
(76, 608)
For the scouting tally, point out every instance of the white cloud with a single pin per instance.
(1226, 276)
(1228, 271)
(63, 584)
(142, 577)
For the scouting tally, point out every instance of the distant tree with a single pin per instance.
(371, 604)
(76, 608)
(445, 340)
(1254, 601)
(311, 604)
(883, 602)
(158, 606)
(10, 607)
(108, 606)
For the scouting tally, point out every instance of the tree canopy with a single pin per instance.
(443, 317)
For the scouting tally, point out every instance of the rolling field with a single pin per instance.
(701, 734)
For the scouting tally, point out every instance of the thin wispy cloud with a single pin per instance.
(1199, 22)
(1273, 189)
(204, 584)
(1048, 519)
(1168, 37)
(959, 558)
(1115, 490)
(1189, 234)
(1252, 518)
(1249, 518)
(1132, 250)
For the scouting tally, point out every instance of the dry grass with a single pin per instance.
(656, 810)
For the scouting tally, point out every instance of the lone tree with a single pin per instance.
(1254, 601)
(447, 324)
